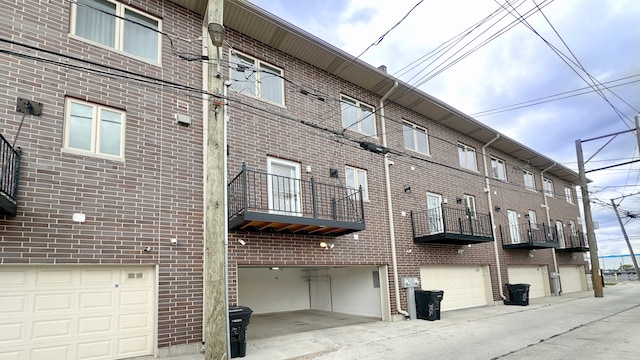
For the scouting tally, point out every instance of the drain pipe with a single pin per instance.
(392, 236)
(487, 189)
(546, 208)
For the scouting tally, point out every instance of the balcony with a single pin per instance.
(528, 236)
(267, 202)
(448, 225)
(574, 242)
(9, 171)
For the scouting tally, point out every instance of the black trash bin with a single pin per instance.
(239, 317)
(518, 294)
(428, 304)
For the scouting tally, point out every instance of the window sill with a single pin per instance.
(116, 51)
(72, 151)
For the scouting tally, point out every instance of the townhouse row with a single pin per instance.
(345, 184)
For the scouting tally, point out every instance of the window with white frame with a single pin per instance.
(355, 178)
(118, 26)
(357, 116)
(94, 129)
(415, 138)
(547, 185)
(529, 180)
(256, 78)
(568, 195)
(498, 169)
(467, 156)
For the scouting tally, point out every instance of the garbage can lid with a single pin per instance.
(240, 309)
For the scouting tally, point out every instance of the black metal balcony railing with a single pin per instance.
(574, 241)
(263, 201)
(9, 173)
(528, 236)
(450, 225)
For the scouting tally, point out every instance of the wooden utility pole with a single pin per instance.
(216, 316)
(596, 279)
(626, 237)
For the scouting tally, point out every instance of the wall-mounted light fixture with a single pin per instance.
(531, 253)
(497, 208)
(458, 200)
(407, 188)
(242, 242)
(326, 246)
(275, 268)
(333, 173)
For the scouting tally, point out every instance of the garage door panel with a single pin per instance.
(13, 305)
(49, 353)
(96, 300)
(77, 313)
(52, 302)
(94, 350)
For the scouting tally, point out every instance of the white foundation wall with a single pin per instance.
(267, 291)
(354, 291)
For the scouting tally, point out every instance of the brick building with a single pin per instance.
(342, 181)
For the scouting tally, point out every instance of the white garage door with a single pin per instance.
(83, 312)
(536, 276)
(573, 278)
(463, 286)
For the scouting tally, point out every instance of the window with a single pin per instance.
(355, 178)
(467, 156)
(529, 180)
(415, 138)
(94, 129)
(256, 78)
(498, 169)
(357, 116)
(470, 205)
(548, 187)
(117, 26)
(568, 194)
(533, 219)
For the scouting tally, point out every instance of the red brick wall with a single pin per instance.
(154, 195)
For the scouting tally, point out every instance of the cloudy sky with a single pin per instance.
(518, 67)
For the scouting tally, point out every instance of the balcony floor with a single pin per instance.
(258, 221)
(573, 249)
(450, 238)
(530, 245)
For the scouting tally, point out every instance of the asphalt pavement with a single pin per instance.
(571, 326)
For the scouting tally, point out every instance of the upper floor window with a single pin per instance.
(94, 129)
(568, 194)
(529, 180)
(467, 156)
(498, 169)
(256, 78)
(415, 138)
(358, 116)
(547, 185)
(355, 178)
(117, 26)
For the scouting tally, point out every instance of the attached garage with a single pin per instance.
(536, 276)
(354, 290)
(463, 286)
(76, 312)
(572, 278)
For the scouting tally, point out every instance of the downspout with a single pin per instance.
(487, 189)
(546, 208)
(392, 236)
